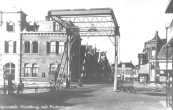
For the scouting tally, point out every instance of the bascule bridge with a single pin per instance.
(96, 22)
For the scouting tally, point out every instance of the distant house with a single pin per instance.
(125, 70)
(89, 61)
(143, 73)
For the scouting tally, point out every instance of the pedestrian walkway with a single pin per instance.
(87, 97)
(149, 87)
(163, 103)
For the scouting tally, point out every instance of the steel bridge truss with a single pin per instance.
(93, 22)
(99, 22)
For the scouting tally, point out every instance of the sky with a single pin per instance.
(138, 21)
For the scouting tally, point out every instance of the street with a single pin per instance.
(88, 97)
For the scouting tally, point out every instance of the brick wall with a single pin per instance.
(42, 58)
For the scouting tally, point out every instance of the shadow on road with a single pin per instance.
(53, 98)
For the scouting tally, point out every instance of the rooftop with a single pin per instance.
(169, 8)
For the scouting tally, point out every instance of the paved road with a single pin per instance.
(88, 97)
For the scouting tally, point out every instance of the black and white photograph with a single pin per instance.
(86, 54)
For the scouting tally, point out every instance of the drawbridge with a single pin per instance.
(95, 22)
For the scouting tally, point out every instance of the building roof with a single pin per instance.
(162, 53)
(169, 8)
(12, 9)
(127, 65)
(156, 37)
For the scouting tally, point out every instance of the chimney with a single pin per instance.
(130, 61)
(47, 18)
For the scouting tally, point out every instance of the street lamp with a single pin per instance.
(157, 70)
(166, 73)
(166, 27)
(172, 76)
(1, 18)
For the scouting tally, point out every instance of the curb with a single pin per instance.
(163, 103)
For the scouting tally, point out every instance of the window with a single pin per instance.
(53, 67)
(123, 65)
(10, 26)
(27, 70)
(35, 47)
(10, 70)
(43, 75)
(153, 50)
(153, 53)
(10, 46)
(123, 71)
(61, 47)
(34, 70)
(141, 61)
(152, 72)
(57, 27)
(27, 47)
(53, 47)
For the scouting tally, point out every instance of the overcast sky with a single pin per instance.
(138, 20)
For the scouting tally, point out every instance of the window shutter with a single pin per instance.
(36, 43)
(14, 47)
(48, 47)
(28, 47)
(7, 25)
(6, 47)
(35, 47)
(57, 47)
(31, 47)
(13, 27)
(25, 47)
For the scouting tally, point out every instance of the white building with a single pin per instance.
(11, 22)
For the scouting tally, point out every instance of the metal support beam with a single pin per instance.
(68, 60)
(102, 19)
(172, 80)
(116, 64)
(79, 79)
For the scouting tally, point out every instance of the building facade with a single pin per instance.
(10, 28)
(33, 51)
(125, 70)
(151, 50)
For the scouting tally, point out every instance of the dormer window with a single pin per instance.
(57, 27)
(10, 26)
(141, 61)
(32, 26)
